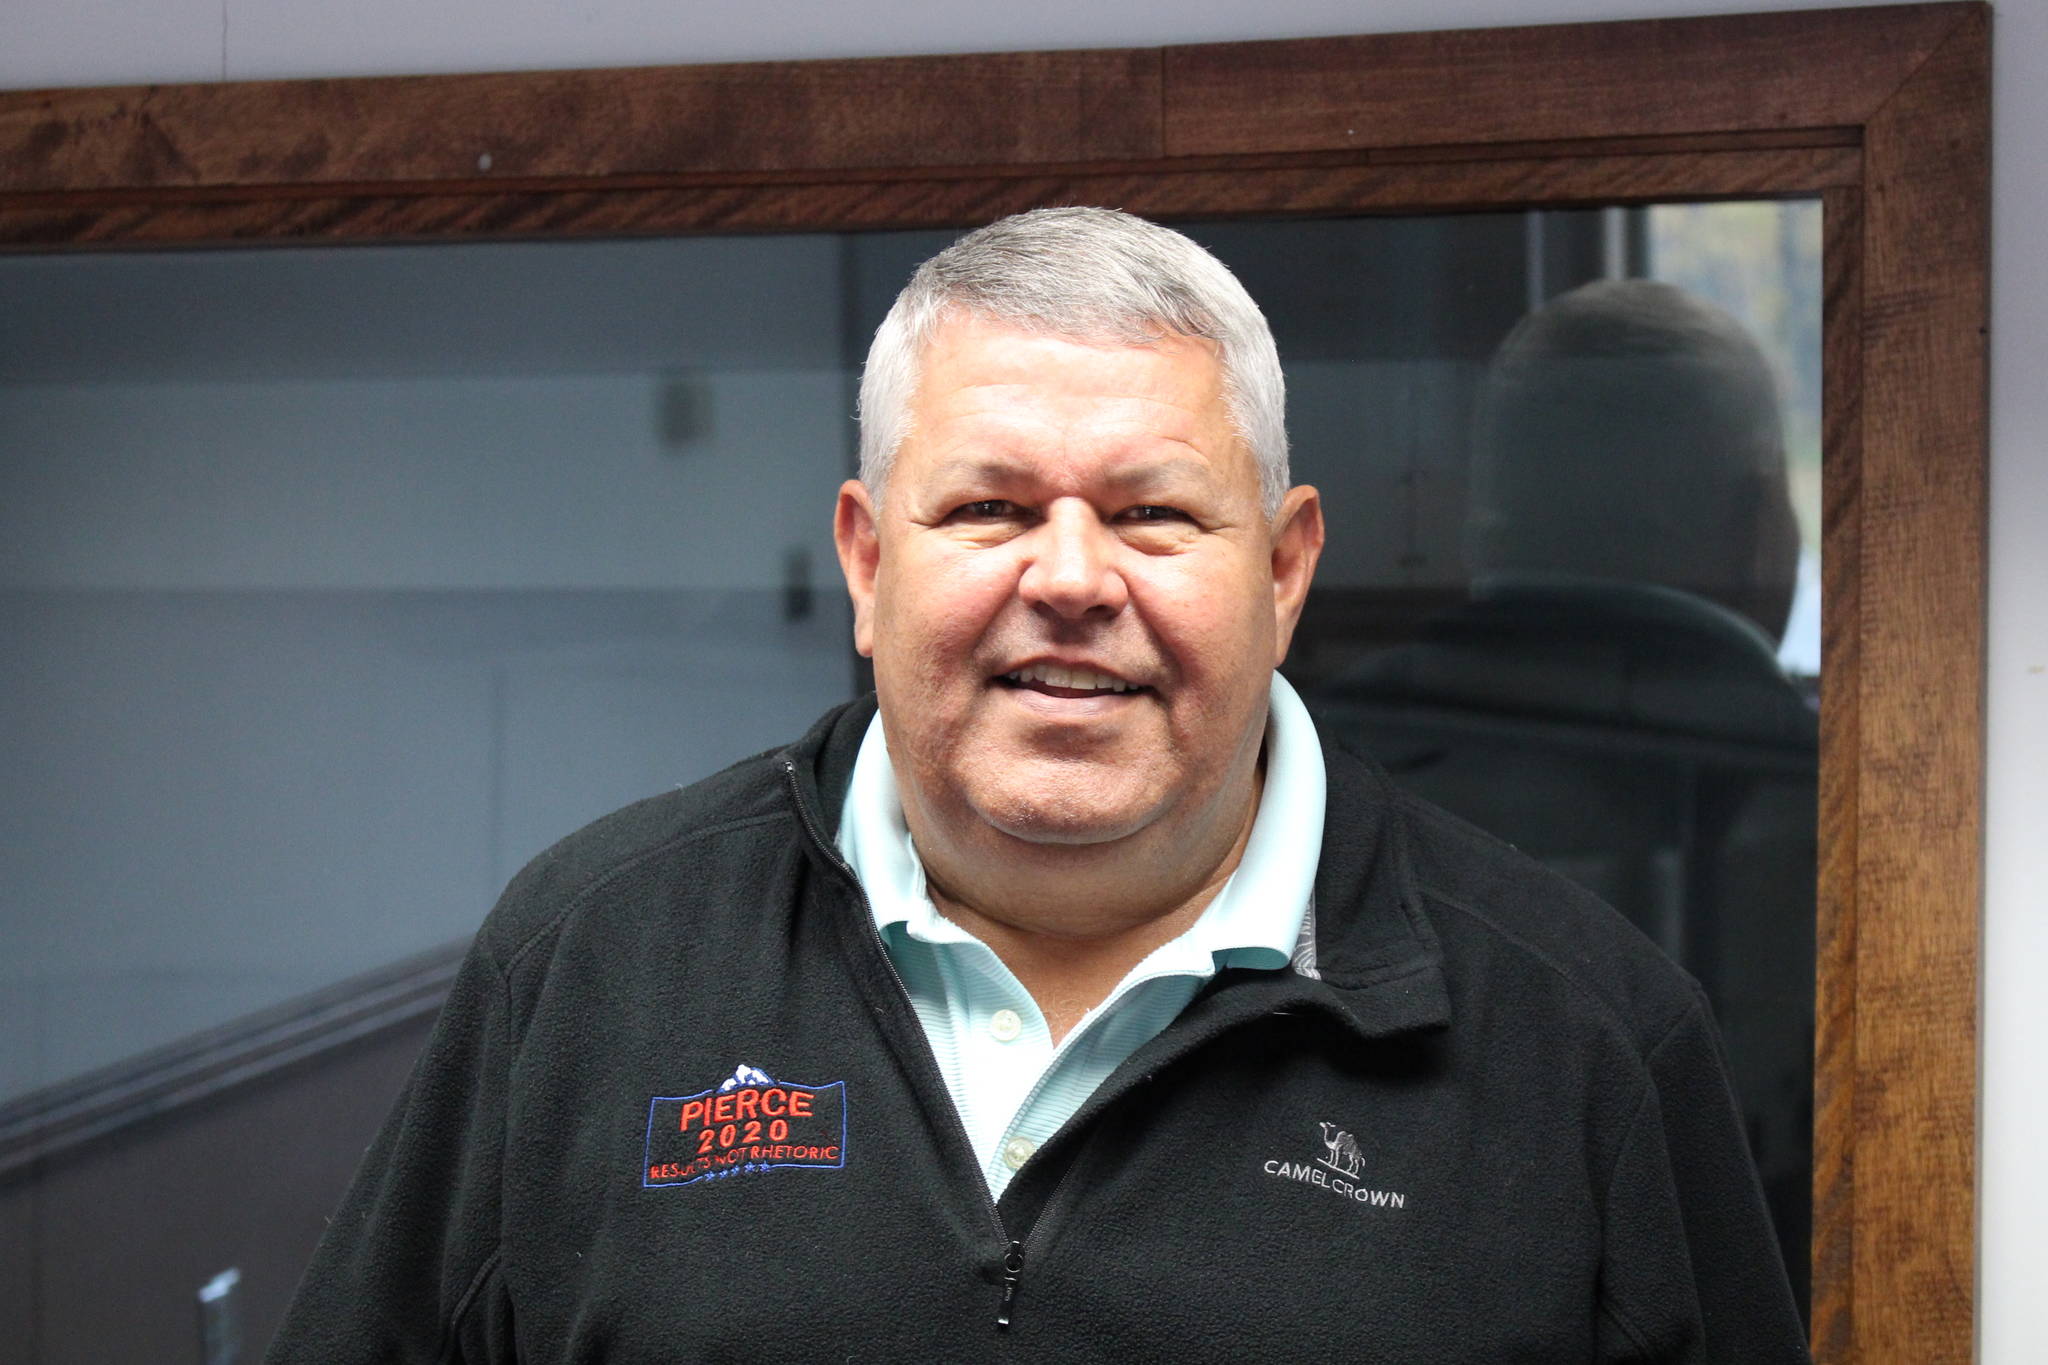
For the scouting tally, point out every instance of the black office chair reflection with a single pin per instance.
(1609, 700)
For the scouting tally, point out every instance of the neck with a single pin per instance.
(1070, 921)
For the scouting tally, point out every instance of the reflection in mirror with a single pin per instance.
(337, 583)
(1569, 596)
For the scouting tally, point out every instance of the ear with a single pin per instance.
(858, 538)
(1297, 545)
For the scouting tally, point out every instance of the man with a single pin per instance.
(1610, 700)
(1068, 1000)
(1628, 432)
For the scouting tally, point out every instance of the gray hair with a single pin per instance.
(1092, 275)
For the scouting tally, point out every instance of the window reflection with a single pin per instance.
(1597, 680)
(337, 583)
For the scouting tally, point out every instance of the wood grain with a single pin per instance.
(907, 111)
(1834, 1065)
(1772, 71)
(1163, 190)
(1920, 713)
(1770, 74)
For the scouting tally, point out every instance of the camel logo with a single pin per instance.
(1337, 1171)
(1344, 1157)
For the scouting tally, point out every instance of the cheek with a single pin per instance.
(1216, 625)
(938, 609)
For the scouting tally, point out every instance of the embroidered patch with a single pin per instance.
(1341, 1171)
(747, 1124)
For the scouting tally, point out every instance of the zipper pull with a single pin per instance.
(1013, 1270)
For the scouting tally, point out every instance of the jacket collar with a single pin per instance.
(1377, 964)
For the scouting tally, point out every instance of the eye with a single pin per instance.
(987, 509)
(1154, 512)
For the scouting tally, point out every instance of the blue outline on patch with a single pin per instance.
(647, 1162)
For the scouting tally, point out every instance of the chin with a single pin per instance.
(1051, 817)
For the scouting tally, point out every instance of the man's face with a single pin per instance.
(1072, 595)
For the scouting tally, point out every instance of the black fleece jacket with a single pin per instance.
(1490, 1124)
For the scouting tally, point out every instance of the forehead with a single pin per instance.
(973, 365)
(988, 388)
(968, 350)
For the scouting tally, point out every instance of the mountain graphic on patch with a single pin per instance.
(748, 1124)
(745, 1075)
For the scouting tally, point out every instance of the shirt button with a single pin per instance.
(1017, 1151)
(1005, 1025)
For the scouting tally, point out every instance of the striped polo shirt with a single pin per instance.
(1012, 1086)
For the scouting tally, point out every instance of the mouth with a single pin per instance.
(1056, 680)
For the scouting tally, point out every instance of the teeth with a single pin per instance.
(1077, 679)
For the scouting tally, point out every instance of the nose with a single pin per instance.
(1071, 569)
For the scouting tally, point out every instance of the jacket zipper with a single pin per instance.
(1013, 1271)
(1013, 1259)
(1013, 1254)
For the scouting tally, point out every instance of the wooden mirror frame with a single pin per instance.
(1882, 113)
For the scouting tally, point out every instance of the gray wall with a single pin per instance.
(300, 670)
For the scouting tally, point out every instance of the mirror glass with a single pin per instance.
(335, 583)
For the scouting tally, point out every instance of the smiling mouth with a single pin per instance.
(1054, 681)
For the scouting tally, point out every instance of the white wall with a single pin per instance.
(114, 42)
(84, 42)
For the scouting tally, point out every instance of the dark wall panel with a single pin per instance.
(103, 1249)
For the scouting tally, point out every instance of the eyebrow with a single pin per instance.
(1135, 477)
